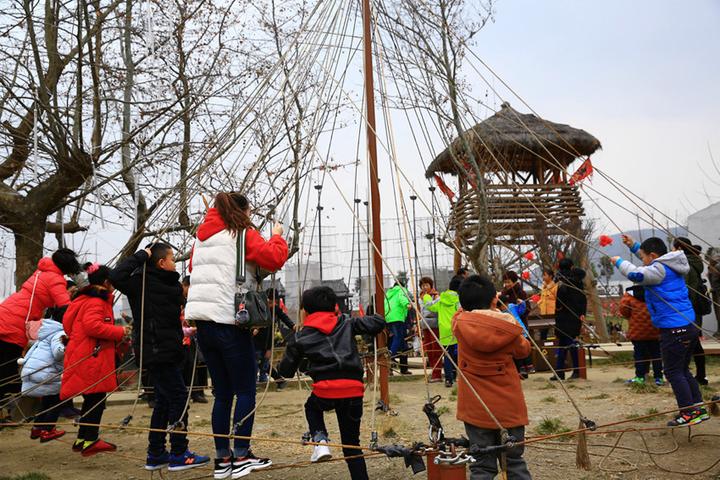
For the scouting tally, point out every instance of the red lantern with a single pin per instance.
(525, 275)
(529, 256)
(535, 298)
(605, 240)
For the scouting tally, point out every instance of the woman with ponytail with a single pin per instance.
(227, 349)
(89, 370)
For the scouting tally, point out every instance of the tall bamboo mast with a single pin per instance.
(374, 194)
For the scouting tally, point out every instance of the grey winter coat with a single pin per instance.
(43, 364)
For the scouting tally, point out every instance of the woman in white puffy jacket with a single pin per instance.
(41, 373)
(228, 350)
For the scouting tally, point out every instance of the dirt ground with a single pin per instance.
(603, 398)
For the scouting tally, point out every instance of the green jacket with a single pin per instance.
(396, 304)
(694, 280)
(446, 308)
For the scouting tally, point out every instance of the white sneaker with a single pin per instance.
(321, 453)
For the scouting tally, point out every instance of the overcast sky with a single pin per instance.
(641, 76)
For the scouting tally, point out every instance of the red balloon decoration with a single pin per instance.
(535, 298)
(529, 256)
(605, 240)
(525, 275)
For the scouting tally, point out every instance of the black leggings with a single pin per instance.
(9, 372)
(50, 411)
(92, 410)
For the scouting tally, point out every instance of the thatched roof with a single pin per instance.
(519, 141)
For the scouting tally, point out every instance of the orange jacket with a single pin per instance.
(640, 326)
(488, 341)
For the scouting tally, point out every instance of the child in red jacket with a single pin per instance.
(90, 356)
(644, 336)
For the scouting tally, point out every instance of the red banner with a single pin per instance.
(584, 171)
(444, 188)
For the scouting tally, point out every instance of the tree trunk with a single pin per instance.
(28, 248)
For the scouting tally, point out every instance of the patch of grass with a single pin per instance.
(620, 357)
(402, 378)
(199, 423)
(548, 399)
(28, 476)
(389, 432)
(602, 396)
(395, 399)
(707, 392)
(551, 426)
(452, 398)
(643, 388)
(453, 390)
(539, 379)
(274, 434)
(442, 409)
(649, 411)
(548, 386)
(619, 380)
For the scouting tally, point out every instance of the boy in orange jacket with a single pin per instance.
(488, 342)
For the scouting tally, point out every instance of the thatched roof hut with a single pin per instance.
(520, 142)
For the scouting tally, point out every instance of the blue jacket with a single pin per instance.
(666, 294)
(518, 310)
(43, 363)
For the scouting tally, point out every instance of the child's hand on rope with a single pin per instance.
(615, 259)
(628, 240)
(127, 330)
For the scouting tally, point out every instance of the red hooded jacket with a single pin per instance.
(89, 322)
(50, 291)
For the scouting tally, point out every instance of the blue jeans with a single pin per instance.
(563, 342)
(230, 357)
(677, 346)
(397, 341)
(170, 399)
(452, 352)
(645, 352)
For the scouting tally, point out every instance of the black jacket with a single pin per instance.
(161, 329)
(328, 344)
(263, 340)
(571, 302)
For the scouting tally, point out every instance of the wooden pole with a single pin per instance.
(374, 196)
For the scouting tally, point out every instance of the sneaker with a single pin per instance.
(321, 452)
(35, 433)
(556, 378)
(245, 465)
(575, 376)
(186, 461)
(48, 435)
(531, 368)
(156, 462)
(702, 381)
(686, 419)
(280, 385)
(659, 382)
(640, 380)
(98, 446)
(223, 468)
(704, 415)
(77, 445)
(448, 383)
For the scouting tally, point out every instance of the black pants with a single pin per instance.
(92, 411)
(486, 466)
(699, 353)
(170, 400)
(646, 352)
(349, 413)
(677, 346)
(200, 380)
(9, 354)
(50, 411)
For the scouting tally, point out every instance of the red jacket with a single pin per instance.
(50, 291)
(89, 322)
(640, 326)
(488, 341)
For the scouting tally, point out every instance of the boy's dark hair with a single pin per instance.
(638, 291)
(461, 271)
(429, 280)
(686, 246)
(511, 275)
(565, 264)
(455, 283)
(476, 293)
(319, 299)
(99, 276)
(549, 271)
(186, 280)
(654, 245)
(158, 251)
(66, 260)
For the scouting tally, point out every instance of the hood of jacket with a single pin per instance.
(449, 298)
(394, 292)
(487, 330)
(49, 328)
(676, 261)
(47, 265)
(325, 322)
(212, 224)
